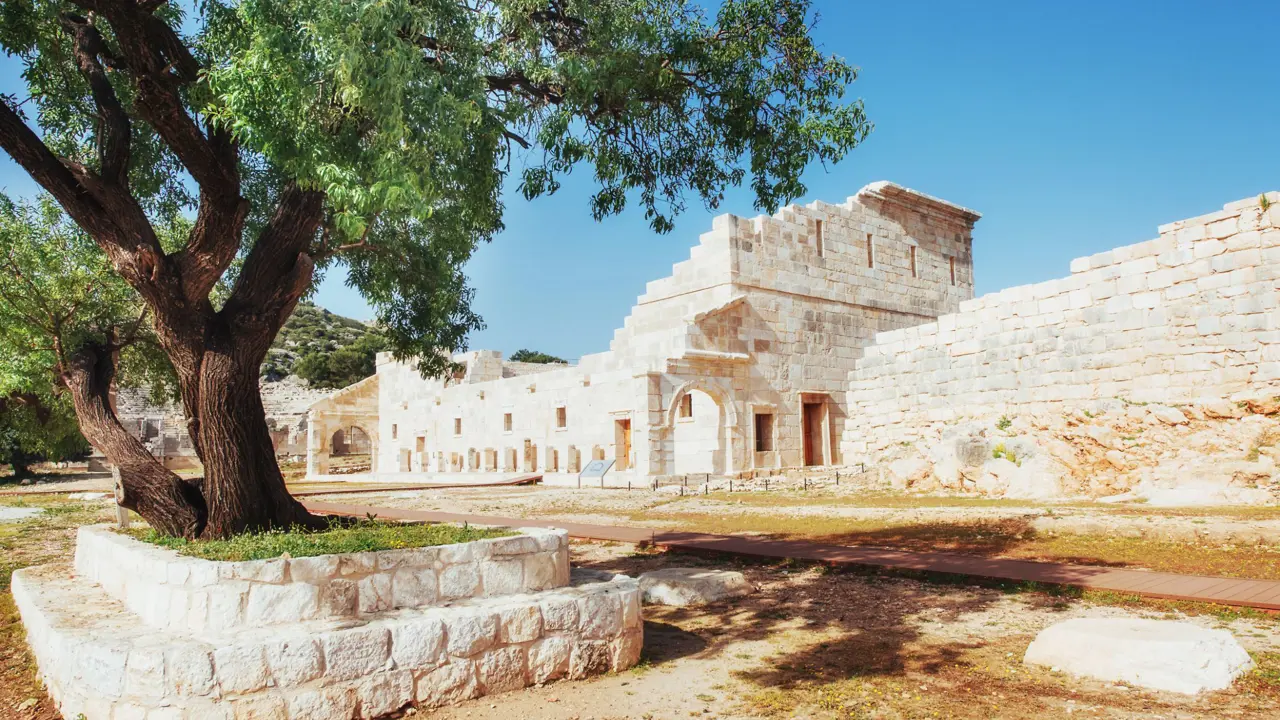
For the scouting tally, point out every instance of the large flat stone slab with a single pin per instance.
(1158, 654)
(692, 586)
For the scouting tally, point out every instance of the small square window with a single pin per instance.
(686, 406)
(506, 422)
(562, 418)
(457, 426)
(764, 432)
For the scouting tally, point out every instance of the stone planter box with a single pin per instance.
(133, 630)
(168, 590)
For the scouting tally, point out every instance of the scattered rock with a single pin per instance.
(1168, 415)
(1223, 409)
(692, 586)
(1157, 654)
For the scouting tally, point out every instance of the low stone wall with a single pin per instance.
(100, 659)
(167, 590)
(1189, 317)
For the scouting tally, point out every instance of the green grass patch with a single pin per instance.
(364, 536)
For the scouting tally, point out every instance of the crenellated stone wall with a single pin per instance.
(1190, 317)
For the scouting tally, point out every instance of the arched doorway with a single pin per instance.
(352, 440)
(698, 435)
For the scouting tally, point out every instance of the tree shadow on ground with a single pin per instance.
(870, 645)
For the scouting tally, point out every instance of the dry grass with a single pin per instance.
(1010, 538)
(904, 501)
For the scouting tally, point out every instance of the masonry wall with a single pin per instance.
(767, 314)
(1190, 316)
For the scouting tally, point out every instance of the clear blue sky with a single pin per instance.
(1073, 127)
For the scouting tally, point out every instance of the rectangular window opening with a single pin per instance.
(562, 418)
(395, 431)
(952, 262)
(457, 426)
(871, 257)
(686, 406)
(506, 422)
(764, 432)
(817, 236)
(914, 272)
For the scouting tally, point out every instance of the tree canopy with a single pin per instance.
(534, 356)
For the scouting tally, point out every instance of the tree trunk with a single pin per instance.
(18, 460)
(243, 486)
(168, 503)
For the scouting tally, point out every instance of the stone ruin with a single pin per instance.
(1152, 373)
(134, 630)
(845, 336)
(162, 427)
(735, 363)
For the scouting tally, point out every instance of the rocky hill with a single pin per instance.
(313, 330)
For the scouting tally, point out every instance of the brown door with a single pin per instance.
(623, 442)
(812, 430)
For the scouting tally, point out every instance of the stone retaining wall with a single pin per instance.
(102, 659)
(1189, 317)
(167, 590)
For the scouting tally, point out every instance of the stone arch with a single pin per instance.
(350, 440)
(728, 453)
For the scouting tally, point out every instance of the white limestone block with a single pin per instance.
(548, 658)
(559, 614)
(502, 577)
(274, 604)
(459, 581)
(1158, 654)
(692, 586)
(329, 703)
(470, 631)
(448, 684)
(384, 693)
(241, 669)
(502, 670)
(521, 622)
(418, 644)
(413, 587)
(375, 593)
(349, 654)
(190, 669)
(294, 662)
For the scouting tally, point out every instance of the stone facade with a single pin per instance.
(1188, 318)
(736, 362)
(139, 631)
(162, 427)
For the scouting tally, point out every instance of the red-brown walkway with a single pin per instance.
(1263, 594)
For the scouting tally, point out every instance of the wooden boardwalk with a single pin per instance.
(1261, 594)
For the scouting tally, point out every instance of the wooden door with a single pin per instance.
(811, 429)
(623, 441)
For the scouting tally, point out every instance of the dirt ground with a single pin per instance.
(811, 643)
(816, 644)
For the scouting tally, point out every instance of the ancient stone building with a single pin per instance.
(738, 361)
(162, 427)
